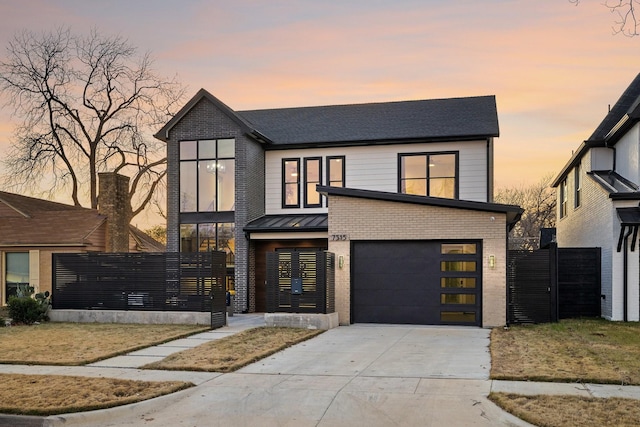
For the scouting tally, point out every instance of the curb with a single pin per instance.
(93, 417)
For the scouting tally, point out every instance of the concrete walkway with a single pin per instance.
(360, 375)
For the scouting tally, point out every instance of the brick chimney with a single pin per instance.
(113, 202)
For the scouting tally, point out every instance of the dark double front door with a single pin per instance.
(417, 282)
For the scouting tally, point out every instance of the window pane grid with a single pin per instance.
(429, 174)
(207, 175)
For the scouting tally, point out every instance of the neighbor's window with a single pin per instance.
(563, 198)
(312, 177)
(577, 180)
(16, 272)
(290, 183)
(207, 175)
(429, 174)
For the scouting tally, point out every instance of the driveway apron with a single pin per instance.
(359, 375)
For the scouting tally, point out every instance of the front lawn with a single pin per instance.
(576, 350)
(82, 343)
(73, 344)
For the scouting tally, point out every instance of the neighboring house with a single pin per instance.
(400, 192)
(598, 197)
(31, 230)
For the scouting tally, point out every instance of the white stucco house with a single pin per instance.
(598, 203)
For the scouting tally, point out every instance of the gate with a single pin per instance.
(579, 282)
(553, 283)
(300, 282)
(532, 286)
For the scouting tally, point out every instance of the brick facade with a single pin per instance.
(114, 203)
(363, 219)
(206, 121)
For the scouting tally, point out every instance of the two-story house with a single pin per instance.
(598, 197)
(400, 192)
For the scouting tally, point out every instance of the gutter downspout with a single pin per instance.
(625, 274)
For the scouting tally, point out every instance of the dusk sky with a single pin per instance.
(553, 66)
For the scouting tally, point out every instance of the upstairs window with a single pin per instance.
(312, 177)
(429, 174)
(563, 198)
(207, 175)
(577, 181)
(291, 183)
(335, 171)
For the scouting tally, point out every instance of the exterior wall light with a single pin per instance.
(340, 261)
(492, 261)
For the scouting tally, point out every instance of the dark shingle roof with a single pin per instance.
(434, 119)
(625, 105)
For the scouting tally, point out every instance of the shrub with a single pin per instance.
(3, 322)
(25, 310)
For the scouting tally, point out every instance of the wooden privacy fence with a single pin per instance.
(141, 281)
(554, 283)
(300, 282)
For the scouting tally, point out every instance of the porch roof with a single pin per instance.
(289, 222)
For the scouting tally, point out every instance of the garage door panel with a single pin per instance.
(401, 282)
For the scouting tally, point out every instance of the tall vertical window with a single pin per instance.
(429, 174)
(312, 177)
(207, 175)
(335, 171)
(577, 181)
(563, 198)
(16, 272)
(291, 183)
(215, 236)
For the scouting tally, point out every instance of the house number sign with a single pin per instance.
(339, 237)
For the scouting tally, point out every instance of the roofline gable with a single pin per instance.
(163, 134)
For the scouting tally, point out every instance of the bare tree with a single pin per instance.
(86, 104)
(539, 203)
(627, 21)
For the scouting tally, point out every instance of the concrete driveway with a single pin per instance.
(360, 375)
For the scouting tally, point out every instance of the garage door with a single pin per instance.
(417, 282)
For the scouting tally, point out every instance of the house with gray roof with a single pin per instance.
(598, 193)
(400, 192)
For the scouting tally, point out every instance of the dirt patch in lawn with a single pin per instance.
(231, 353)
(570, 411)
(57, 394)
(583, 350)
(82, 343)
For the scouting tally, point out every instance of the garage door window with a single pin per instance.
(458, 282)
(458, 248)
(458, 266)
(458, 299)
(458, 317)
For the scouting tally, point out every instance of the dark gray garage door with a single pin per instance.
(417, 282)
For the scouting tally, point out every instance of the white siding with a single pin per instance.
(601, 159)
(376, 168)
(627, 156)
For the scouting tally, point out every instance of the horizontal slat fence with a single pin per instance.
(140, 281)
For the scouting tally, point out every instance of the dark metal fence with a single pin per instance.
(300, 282)
(579, 282)
(141, 281)
(532, 286)
(553, 283)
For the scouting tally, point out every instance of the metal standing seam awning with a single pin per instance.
(630, 222)
(288, 223)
